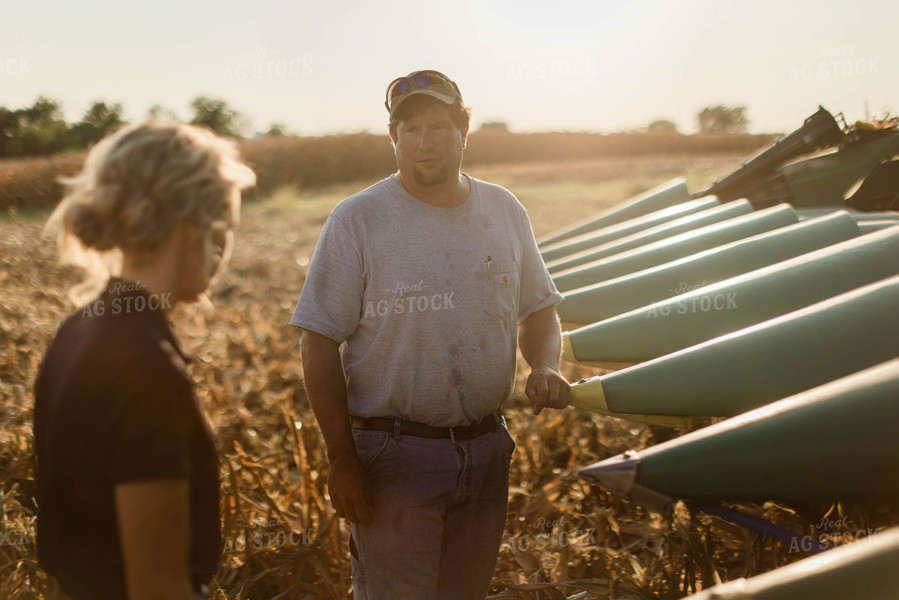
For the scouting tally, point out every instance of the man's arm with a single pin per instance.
(540, 340)
(326, 390)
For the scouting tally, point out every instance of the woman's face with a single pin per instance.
(204, 251)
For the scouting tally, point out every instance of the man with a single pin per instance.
(416, 292)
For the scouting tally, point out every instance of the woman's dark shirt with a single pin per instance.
(113, 405)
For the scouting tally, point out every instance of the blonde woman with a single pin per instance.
(128, 487)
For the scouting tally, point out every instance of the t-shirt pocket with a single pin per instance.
(501, 289)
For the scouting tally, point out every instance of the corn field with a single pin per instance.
(563, 538)
(310, 163)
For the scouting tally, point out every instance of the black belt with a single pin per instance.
(456, 434)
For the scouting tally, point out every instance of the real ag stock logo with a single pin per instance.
(271, 534)
(835, 63)
(692, 304)
(15, 537)
(547, 534)
(268, 63)
(831, 533)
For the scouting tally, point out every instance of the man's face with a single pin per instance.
(429, 146)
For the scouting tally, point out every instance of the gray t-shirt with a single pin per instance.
(425, 301)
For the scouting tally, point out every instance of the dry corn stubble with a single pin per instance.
(564, 538)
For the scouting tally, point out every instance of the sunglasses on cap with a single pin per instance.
(432, 83)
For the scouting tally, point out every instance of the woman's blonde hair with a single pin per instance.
(136, 185)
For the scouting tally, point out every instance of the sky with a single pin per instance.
(561, 65)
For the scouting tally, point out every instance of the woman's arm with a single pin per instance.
(154, 531)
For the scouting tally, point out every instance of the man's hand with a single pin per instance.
(540, 340)
(348, 490)
(546, 388)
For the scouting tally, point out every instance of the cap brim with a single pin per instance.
(445, 98)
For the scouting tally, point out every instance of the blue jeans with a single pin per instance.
(438, 514)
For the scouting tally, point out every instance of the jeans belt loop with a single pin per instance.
(397, 429)
(452, 436)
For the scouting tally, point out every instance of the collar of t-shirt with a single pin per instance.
(123, 297)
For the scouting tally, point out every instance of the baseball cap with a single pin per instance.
(428, 82)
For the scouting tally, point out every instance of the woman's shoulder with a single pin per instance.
(97, 351)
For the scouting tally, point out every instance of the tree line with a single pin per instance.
(41, 129)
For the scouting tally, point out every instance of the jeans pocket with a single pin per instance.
(370, 445)
(510, 441)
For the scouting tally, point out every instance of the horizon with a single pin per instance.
(575, 67)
